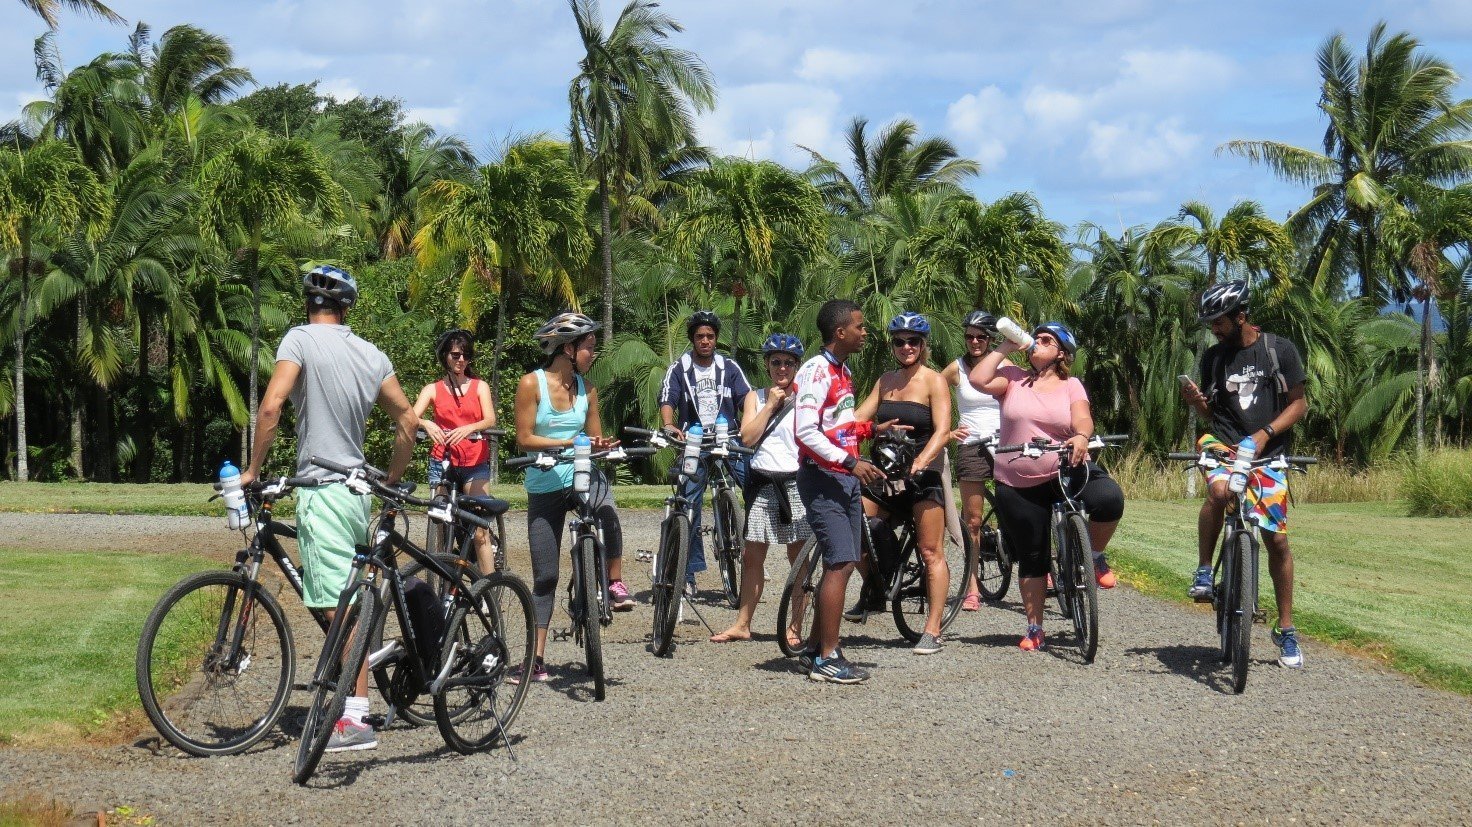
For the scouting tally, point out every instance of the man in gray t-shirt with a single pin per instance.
(333, 378)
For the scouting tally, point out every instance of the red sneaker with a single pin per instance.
(1033, 640)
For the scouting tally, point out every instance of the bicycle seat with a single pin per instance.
(483, 506)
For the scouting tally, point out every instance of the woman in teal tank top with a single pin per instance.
(554, 404)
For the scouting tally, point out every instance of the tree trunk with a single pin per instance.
(607, 249)
(502, 312)
(22, 463)
(143, 457)
(1421, 374)
(78, 399)
(248, 439)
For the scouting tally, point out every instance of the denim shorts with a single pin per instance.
(835, 511)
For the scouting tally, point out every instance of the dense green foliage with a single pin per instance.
(153, 217)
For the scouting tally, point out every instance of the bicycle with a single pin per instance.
(993, 558)
(588, 602)
(904, 579)
(728, 527)
(220, 694)
(1235, 575)
(1072, 558)
(442, 538)
(462, 666)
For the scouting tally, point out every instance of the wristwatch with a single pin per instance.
(850, 462)
(1268, 429)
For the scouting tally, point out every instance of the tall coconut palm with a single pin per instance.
(186, 63)
(46, 193)
(97, 107)
(424, 157)
(256, 188)
(1392, 113)
(47, 10)
(634, 96)
(518, 223)
(893, 163)
(1244, 240)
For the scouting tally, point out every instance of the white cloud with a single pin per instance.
(769, 120)
(986, 121)
(339, 89)
(838, 65)
(1148, 75)
(1123, 150)
(1054, 108)
(440, 117)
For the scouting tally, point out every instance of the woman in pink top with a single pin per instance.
(1044, 401)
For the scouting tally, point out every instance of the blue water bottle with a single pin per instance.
(582, 463)
(1242, 465)
(235, 511)
(690, 464)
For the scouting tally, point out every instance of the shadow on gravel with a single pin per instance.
(1002, 640)
(572, 680)
(1200, 663)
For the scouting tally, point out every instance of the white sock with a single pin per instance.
(355, 709)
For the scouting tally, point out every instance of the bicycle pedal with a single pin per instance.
(378, 722)
(644, 556)
(1205, 598)
(562, 634)
(1259, 617)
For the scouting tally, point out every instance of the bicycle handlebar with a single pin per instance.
(548, 459)
(1044, 444)
(707, 441)
(474, 436)
(1256, 463)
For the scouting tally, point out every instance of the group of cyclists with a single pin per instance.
(807, 475)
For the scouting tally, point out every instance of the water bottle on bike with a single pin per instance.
(235, 510)
(723, 431)
(690, 463)
(1242, 466)
(582, 463)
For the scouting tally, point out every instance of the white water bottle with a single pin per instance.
(582, 463)
(235, 511)
(723, 431)
(690, 464)
(1242, 465)
(1014, 333)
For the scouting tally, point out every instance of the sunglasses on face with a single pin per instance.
(973, 337)
(787, 364)
(1045, 339)
(456, 355)
(906, 341)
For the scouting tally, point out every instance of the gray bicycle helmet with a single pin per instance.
(1222, 299)
(564, 328)
(983, 320)
(326, 283)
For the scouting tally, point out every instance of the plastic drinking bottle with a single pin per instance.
(690, 464)
(723, 431)
(1242, 466)
(582, 463)
(1014, 333)
(235, 511)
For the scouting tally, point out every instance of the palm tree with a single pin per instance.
(633, 98)
(257, 188)
(47, 9)
(1244, 239)
(1392, 114)
(186, 63)
(518, 222)
(46, 193)
(97, 107)
(425, 157)
(893, 164)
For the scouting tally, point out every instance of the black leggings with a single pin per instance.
(1026, 515)
(546, 516)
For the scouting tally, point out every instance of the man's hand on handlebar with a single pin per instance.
(671, 432)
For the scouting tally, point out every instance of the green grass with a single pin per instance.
(1367, 576)
(192, 499)
(1440, 485)
(71, 626)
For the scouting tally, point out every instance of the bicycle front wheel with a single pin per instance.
(476, 704)
(1240, 609)
(731, 533)
(343, 657)
(669, 576)
(592, 614)
(993, 563)
(797, 611)
(1083, 589)
(215, 663)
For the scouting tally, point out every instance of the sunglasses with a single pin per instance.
(783, 363)
(455, 354)
(972, 337)
(906, 341)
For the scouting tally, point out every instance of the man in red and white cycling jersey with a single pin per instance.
(830, 472)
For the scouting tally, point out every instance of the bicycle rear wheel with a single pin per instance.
(215, 663)
(797, 611)
(909, 600)
(993, 563)
(730, 534)
(342, 659)
(1242, 601)
(392, 675)
(476, 705)
(669, 576)
(1083, 589)
(592, 614)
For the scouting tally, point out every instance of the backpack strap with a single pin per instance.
(1270, 342)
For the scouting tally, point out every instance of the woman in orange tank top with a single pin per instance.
(462, 408)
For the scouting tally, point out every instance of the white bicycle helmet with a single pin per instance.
(1222, 299)
(564, 328)
(327, 283)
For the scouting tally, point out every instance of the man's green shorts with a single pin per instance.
(330, 522)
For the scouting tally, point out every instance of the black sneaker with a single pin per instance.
(837, 669)
(805, 659)
(867, 604)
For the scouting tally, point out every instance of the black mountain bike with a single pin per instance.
(217, 659)
(463, 665)
(1234, 590)
(448, 539)
(1074, 586)
(588, 601)
(993, 558)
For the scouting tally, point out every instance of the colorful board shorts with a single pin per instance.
(1267, 491)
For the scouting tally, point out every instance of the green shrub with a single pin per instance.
(1440, 484)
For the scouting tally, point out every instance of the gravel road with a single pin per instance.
(722, 733)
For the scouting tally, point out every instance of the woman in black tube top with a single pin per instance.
(917, 397)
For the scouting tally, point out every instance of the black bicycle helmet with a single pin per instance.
(442, 345)
(893, 457)
(326, 283)
(981, 319)
(702, 318)
(1222, 299)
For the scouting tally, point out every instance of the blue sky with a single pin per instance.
(1109, 111)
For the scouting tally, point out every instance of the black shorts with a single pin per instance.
(898, 497)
